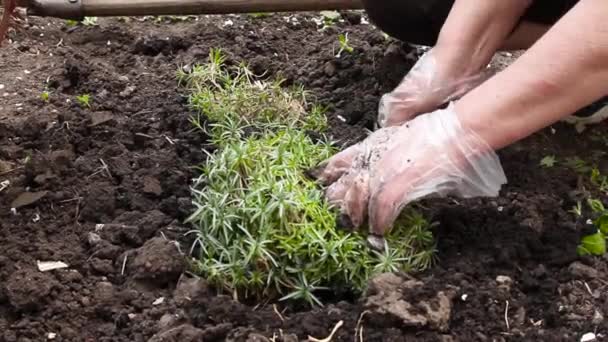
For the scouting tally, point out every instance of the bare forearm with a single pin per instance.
(566, 70)
(475, 30)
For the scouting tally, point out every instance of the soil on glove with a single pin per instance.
(105, 188)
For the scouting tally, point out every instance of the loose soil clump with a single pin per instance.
(105, 189)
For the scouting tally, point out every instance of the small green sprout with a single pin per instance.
(344, 45)
(89, 21)
(330, 17)
(84, 100)
(45, 96)
(548, 161)
(260, 15)
(577, 164)
(594, 244)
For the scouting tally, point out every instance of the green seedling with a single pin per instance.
(45, 96)
(595, 244)
(548, 161)
(260, 15)
(344, 45)
(173, 18)
(89, 21)
(84, 100)
(330, 17)
(577, 164)
(262, 227)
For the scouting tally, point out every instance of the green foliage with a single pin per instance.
(344, 45)
(84, 100)
(87, 21)
(330, 17)
(263, 229)
(260, 15)
(45, 96)
(595, 244)
(548, 161)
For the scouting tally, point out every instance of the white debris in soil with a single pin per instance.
(588, 337)
(1, 86)
(44, 266)
(341, 118)
(159, 301)
(36, 218)
(51, 336)
(4, 184)
(228, 23)
(503, 280)
(464, 297)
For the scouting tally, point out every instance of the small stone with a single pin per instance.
(588, 337)
(27, 198)
(329, 69)
(127, 92)
(376, 243)
(581, 271)
(123, 78)
(504, 280)
(98, 118)
(167, 321)
(152, 186)
(159, 301)
(104, 292)
(598, 318)
(93, 239)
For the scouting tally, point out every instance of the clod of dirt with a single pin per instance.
(581, 271)
(28, 289)
(159, 262)
(104, 293)
(182, 333)
(27, 198)
(386, 300)
(170, 320)
(120, 233)
(99, 202)
(93, 239)
(188, 289)
(152, 186)
(98, 118)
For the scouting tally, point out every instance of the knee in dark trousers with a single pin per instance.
(412, 21)
(420, 21)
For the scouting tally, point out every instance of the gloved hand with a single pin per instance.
(425, 88)
(433, 154)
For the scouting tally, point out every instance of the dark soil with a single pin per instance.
(105, 189)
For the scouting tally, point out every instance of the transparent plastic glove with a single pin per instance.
(425, 88)
(429, 155)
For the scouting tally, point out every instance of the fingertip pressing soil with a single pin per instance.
(105, 189)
